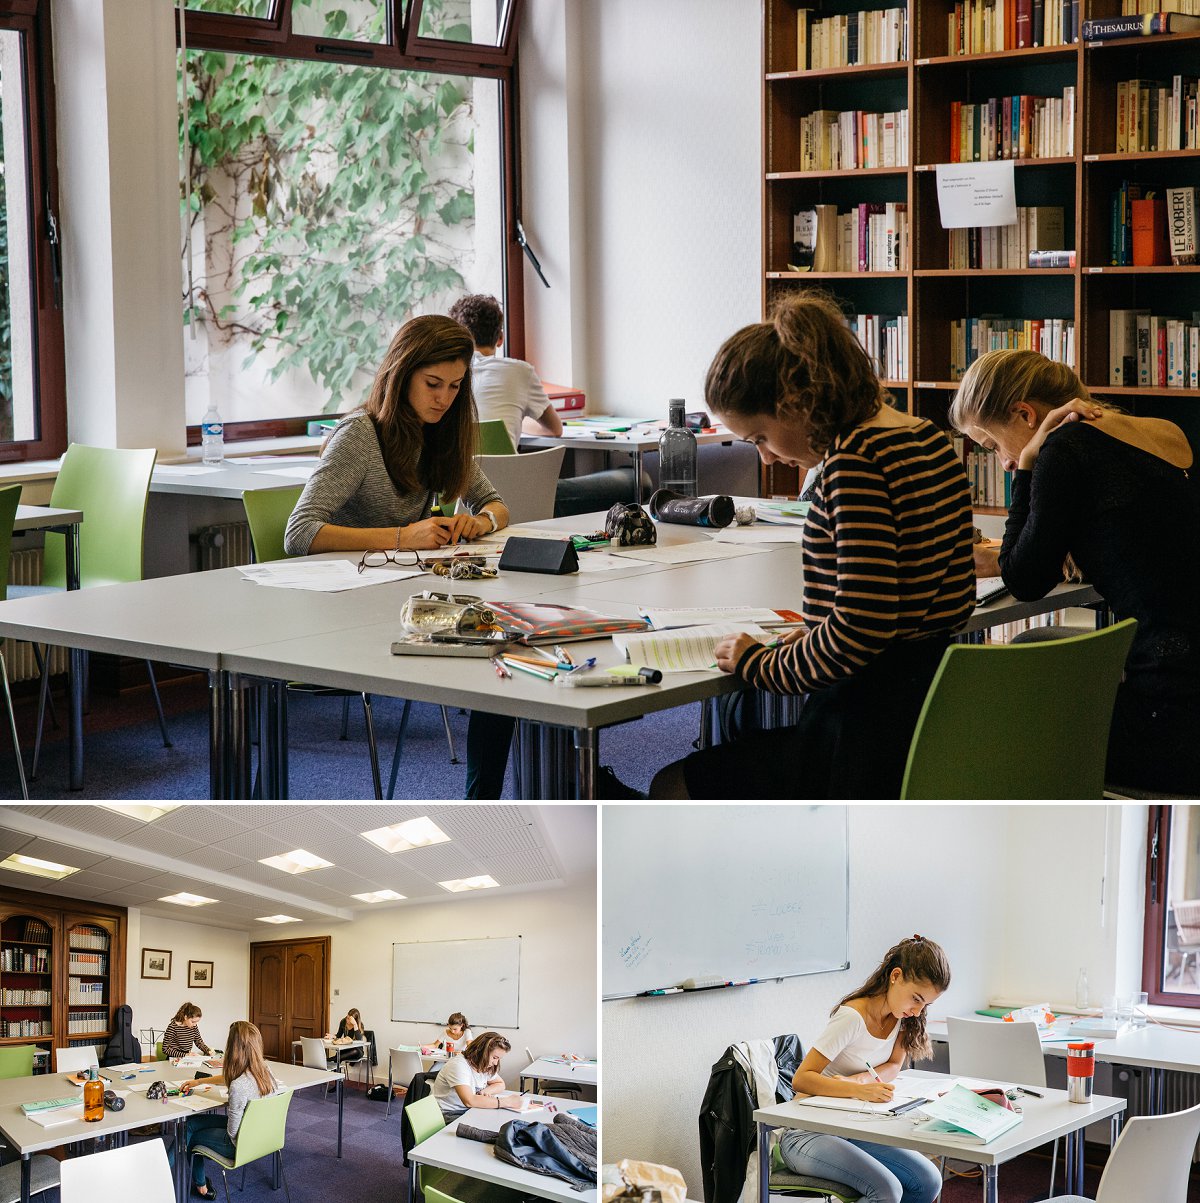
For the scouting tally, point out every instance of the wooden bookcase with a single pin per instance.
(930, 292)
(62, 970)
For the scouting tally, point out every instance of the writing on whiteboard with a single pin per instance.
(636, 950)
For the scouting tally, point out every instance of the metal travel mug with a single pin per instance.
(1081, 1070)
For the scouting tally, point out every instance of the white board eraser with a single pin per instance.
(702, 983)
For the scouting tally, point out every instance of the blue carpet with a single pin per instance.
(125, 758)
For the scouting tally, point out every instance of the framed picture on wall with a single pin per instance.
(200, 975)
(156, 963)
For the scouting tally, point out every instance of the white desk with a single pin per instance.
(336, 1050)
(231, 478)
(1043, 1120)
(546, 1069)
(473, 1159)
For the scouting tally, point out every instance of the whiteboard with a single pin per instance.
(433, 979)
(737, 893)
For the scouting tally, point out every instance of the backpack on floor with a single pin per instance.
(378, 1093)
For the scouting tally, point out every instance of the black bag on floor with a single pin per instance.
(378, 1093)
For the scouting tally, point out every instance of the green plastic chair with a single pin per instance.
(159, 1055)
(111, 485)
(801, 1186)
(1028, 720)
(10, 498)
(16, 1061)
(261, 1134)
(425, 1118)
(494, 439)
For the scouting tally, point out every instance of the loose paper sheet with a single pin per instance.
(303, 472)
(977, 194)
(684, 650)
(750, 535)
(186, 469)
(323, 576)
(685, 553)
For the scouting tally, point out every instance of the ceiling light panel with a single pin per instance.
(299, 860)
(62, 854)
(144, 812)
(379, 896)
(35, 866)
(421, 832)
(466, 884)
(277, 919)
(186, 899)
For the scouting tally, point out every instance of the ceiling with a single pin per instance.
(214, 851)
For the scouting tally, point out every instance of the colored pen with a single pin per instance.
(563, 655)
(546, 655)
(872, 1069)
(501, 668)
(592, 680)
(528, 668)
(529, 660)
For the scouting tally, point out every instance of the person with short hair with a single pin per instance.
(183, 1033)
(472, 1078)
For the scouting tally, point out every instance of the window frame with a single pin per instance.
(1158, 853)
(31, 19)
(273, 37)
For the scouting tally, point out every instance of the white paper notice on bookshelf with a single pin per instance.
(977, 194)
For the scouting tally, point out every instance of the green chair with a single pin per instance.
(801, 1186)
(494, 439)
(444, 1186)
(159, 1055)
(260, 1134)
(10, 498)
(1025, 720)
(111, 486)
(16, 1061)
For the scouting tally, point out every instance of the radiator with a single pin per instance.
(225, 545)
(1181, 1091)
(25, 568)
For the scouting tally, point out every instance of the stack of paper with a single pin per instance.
(966, 1116)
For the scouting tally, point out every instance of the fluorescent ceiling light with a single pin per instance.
(142, 811)
(185, 899)
(39, 868)
(469, 883)
(414, 833)
(277, 919)
(379, 896)
(296, 862)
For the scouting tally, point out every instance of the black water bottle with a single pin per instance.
(677, 454)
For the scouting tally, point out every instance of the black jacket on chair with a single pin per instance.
(418, 1088)
(727, 1135)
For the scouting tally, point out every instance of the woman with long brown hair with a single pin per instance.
(352, 1028)
(472, 1078)
(863, 1047)
(183, 1032)
(383, 470)
(248, 1077)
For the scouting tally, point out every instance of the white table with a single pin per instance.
(473, 1159)
(546, 1069)
(231, 478)
(1043, 1120)
(336, 1049)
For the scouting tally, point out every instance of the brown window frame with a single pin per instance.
(1158, 851)
(273, 36)
(31, 18)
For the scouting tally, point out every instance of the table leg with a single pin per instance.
(586, 753)
(272, 740)
(75, 669)
(182, 1169)
(637, 476)
(341, 1100)
(529, 777)
(991, 1186)
(277, 1170)
(764, 1164)
(25, 1171)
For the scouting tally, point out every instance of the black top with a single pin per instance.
(1131, 522)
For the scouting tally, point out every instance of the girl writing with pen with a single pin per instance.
(863, 1047)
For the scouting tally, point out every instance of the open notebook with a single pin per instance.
(907, 1089)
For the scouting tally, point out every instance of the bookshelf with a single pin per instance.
(934, 295)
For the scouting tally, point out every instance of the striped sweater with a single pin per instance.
(887, 557)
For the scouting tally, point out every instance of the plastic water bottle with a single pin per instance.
(212, 436)
(677, 454)
(1081, 990)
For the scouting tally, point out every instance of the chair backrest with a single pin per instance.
(403, 1063)
(117, 1174)
(526, 483)
(1009, 1052)
(425, 1117)
(314, 1055)
(268, 511)
(1152, 1158)
(494, 438)
(1187, 918)
(110, 485)
(263, 1127)
(68, 1060)
(10, 498)
(159, 1055)
(529, 1054)
(16, 1061)
(1048, 708)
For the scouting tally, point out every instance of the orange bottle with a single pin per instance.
(93, 1097)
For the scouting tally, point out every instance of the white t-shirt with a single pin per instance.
(457, 1072)
(849, 1046)
(459, 1042)
(507, 390)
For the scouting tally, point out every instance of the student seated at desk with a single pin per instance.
(472, 1079)
(248, 1078)
(1117, 494)
(509, 391)
(863, 1047)
(455, 1036)
(887, 564)
(351, 1028)
(381, 474)
(183, 1032)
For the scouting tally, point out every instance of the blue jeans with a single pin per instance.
(879, 1173)
(207, 1129)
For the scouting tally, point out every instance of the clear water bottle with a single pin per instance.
(1081, 990)
(677, 453)
(212, 436)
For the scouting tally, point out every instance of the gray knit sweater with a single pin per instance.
(350, 486)
(243, 1090)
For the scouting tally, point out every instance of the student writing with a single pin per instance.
(1118, 495)
(878, 1025)
(183, 1032)
(472, 1078)
(456, 1035)
(351, 1028)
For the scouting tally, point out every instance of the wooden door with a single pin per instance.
(289, 992)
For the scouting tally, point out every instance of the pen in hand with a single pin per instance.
(871, 1070)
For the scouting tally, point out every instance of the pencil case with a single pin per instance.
(668, 506)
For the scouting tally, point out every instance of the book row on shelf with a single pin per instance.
(21, 960)
(88, 962)
(868, 238)
(1131, 8)
(851, 39)
(1150, 351)
(85, 992)
(1013, 127)
(986, 26)
(990, 484)
(93, 940)
(844, 141)
(884, 337)
(974, 336)
(1156, 114)
(25, 998)
(1152, 226)
(35, 930)
(83, 1022)
(26, 1027)
(1151, 24)
(1038, 228)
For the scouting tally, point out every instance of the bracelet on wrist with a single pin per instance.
(399, 536)
(490, 515)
